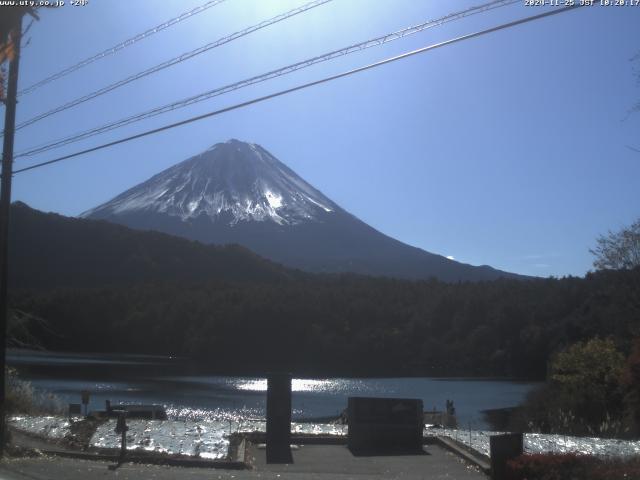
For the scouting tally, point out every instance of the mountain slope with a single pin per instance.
(236, 192)
(233, 182)
(48, 250)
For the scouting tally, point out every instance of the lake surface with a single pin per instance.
(190, 394)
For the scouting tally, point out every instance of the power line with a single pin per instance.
(303, 86)
(173, 61)
(266, 76)
(120, 46)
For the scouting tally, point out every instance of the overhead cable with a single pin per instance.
(383, 39)
(303, 86)
(173, 61)
(128, 42)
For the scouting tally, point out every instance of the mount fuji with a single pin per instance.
(237, 192)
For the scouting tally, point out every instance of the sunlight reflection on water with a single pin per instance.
(297, 385)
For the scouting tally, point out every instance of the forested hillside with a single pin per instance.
(103, 287)
(347, 324)
(49, 250)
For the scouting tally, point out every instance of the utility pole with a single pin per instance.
(5, 207)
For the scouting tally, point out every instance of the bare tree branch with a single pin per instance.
(618, 250)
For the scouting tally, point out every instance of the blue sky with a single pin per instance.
(510, 150)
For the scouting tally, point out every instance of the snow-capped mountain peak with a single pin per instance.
(232, 182)
(238, 193)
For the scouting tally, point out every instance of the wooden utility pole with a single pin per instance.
(5, 207)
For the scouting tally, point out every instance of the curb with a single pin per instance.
(477, 459)
(235, 464)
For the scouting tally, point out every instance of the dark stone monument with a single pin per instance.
(385, 425)
(504, 448)
(279, 418)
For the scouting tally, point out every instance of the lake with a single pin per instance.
(189, 393)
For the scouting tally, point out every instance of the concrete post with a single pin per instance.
(279, 418)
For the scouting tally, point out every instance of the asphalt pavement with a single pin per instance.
(310, 462)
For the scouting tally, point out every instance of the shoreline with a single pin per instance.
(163, 360)
(217, 440)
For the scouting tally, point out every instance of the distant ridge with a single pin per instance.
(52, 251)
(237, 192)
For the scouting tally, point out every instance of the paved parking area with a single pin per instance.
(336, 461)
(310, 462)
